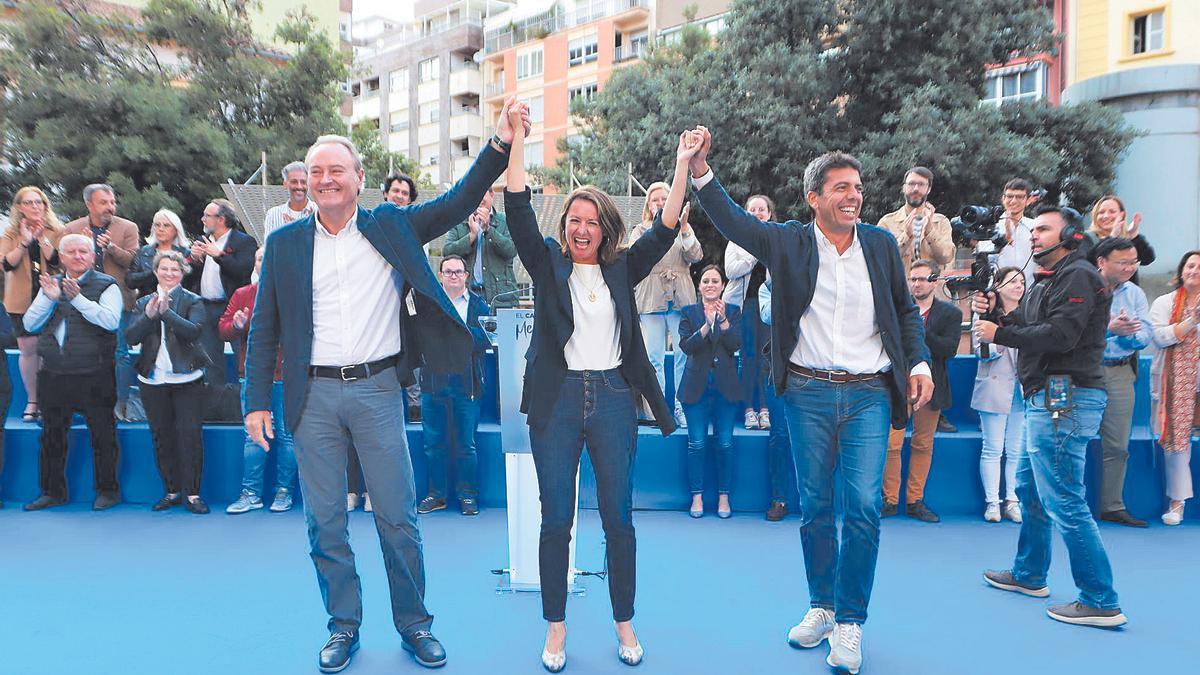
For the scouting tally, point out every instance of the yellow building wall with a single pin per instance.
(270, 13)
(1088, 43)
(1101, 40)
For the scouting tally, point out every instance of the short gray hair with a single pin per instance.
(175, 257)
(97, 187)
(336, 140)
(67, 239)
(819, 168)
(293, 166)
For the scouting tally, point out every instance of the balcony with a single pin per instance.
(465, 124)
(635, 50)
(428, 134)
(466, 81)
(541, 25)
(493, 89)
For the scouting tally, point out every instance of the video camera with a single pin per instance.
(975, 227)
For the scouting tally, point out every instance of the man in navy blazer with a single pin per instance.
(450, 398)
(330, 296)
(849, 356)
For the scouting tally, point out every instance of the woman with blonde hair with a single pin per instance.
(166, 234)
(28, 248)
(668, 289)
(1109, 220)
(1174, 383)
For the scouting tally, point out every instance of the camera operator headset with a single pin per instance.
(1060, 326)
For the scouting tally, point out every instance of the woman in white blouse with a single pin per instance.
(745, 275)
(170, 368)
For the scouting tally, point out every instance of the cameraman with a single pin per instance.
(1060, 330)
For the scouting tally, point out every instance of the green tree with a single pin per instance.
(377, 158)
(89, 100)
(894, 82)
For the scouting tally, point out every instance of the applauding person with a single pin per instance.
(587, 364)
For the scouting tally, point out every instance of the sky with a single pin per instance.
(393, 9)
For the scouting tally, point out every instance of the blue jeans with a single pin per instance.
(450, 418)
(754, 334)
(126, 374)
(254, 458)
(712, 407)
(1050, 487)
(597, 408)
(367, 410)
(847, 425)
(781, 466)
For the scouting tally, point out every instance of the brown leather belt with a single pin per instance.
(835, 376)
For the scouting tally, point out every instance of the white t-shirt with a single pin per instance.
(596, 342)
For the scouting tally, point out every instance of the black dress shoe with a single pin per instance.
(105, 501)
(945, 427)
(1122, 517)
(198, 506)
(777, 511)
(921, 512)
(44, 502)
(336, 653)
(469, 506)
(431, 504)
(889, 509)
(167, 502)
(425, 649)
(414, 414)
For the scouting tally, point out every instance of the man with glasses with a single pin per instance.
(920, 231)
(450, 398)
(225, 256)
(1129, 330)
(1018, 228)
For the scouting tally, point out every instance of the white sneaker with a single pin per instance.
(992, 513)
(845, 647)
(1174, 515)
(351, 501)
(1012, 510)
(816, 626)
(751, 420)
(367, 503)
(680, 418)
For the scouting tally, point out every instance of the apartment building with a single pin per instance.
(1136, 56)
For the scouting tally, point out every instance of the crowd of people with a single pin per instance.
(833, 336)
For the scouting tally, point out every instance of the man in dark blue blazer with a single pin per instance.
(330, 296)
(450, 398)
(848, 356)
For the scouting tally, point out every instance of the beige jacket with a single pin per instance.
(670, 280)
(123, 245)
(18, 284)
(936, 245)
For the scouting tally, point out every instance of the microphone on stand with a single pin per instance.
(514, 292)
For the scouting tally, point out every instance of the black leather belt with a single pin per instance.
(835, 376)
(360, 371)
(1113, 363)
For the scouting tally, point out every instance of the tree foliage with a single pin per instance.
(377, 158)
(896, 83)
(93, 99)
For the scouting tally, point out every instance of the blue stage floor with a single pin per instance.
(128, 592)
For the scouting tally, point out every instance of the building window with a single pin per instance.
(537, 109)
(1148, 32)
(1006, 86)
(529, 64)
(398, 80)
(534, 155)
(429, 113)
(428, 70)
(586, 92)
(400, 124)
(582, 50)
(372, 86)
(462, 148)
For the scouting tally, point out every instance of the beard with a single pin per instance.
(914, 202)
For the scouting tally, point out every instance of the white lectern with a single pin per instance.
(513, 329)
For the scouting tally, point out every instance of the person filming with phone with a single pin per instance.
(1059, 328)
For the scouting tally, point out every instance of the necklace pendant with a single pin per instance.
(591, 296)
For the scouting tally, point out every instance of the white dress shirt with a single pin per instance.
(1019, 252)
(596, 342)
(838, 331)
(106, 313)
(739, 264)
(164, 372)
(281, 215)
(210, 278)
(462, 303)
(356, 299)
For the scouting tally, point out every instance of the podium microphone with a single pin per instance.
(514, 292)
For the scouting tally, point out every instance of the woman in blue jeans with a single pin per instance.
(1001, 405)
(585, 367)
(710, 390)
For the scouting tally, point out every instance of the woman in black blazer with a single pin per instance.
(171, 371)
(166, 234)
(709, 390)
(585, 367)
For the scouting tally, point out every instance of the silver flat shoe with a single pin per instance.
(630, 656)
(554, 662)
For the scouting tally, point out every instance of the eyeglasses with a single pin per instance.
(916, 184)
(1126, 263)
(30, 202)
(455, 273)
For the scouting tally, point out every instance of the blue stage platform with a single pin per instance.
(660, 480)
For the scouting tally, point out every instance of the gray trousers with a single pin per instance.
(366, 413)
(1114, 435)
